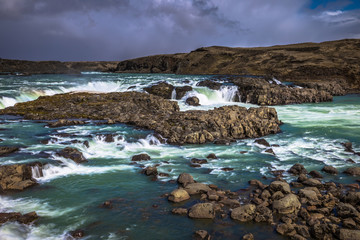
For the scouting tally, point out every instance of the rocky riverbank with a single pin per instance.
(304, 209)
(152, 112)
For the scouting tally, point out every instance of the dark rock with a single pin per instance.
(257, 183)
(86, 144)
(280, 186)
(193, 101)
(227, 169)
(349, 223)
(346, 210)
(18, 217)
(263, 142)
(198, 161)
(162, 89)
(354, 171)
(7, 150)
(16, 177)
(350, 160)
(348, 147)
(285, 229)
(259, 91)
(210, 84)
(107, 204)
(150, 171)
(271, 151)
(243, 152)
(222, 142)
(179, 211)
(77, 233)
(248, 236)
(315, 174)
(330, 170)
(73, 154)
(211, 156)
(163, 174)
(109, 137)
(185, 178)
(181, 91)
(201, 235)
(202, 210)
(65, 122)
(140, 157)
(297, 169)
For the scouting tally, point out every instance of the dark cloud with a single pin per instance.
(122, 29)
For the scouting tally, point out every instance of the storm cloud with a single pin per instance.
(72, 30)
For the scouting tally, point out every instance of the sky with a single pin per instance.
(89, 30)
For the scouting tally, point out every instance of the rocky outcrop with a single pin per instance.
(155, 113)
(261, 92)
(181, 91)
(16, 177)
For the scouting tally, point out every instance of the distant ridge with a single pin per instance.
(303, 62)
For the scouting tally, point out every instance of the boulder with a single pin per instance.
(73, 154)
(297, 169)
(202, 210)
(193, 101)
(77, 233)
(348, 147)
(280, 186)
(16, 177)
(151, 171)
(162, 89)
(263, 142)
(308, 194)
(178, 195)
(211, 156)
(196, 188)
(140, 157)
(285, 229)
(185, 178)
(201, 235)
(286, 205)
(244, 213)
(315, 174)
(7, 150)
(198, 161)
(181, 91)
(354, 171)
(346, 210)
(330, 170)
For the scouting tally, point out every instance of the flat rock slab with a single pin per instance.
(155, 113)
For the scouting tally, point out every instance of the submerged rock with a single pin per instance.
(18, 217)
(201, 235)
(7, 150)
(330, 170)
(16, 177)
(154, 113)
(297, 169)
(354, 171)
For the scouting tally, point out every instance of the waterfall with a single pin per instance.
(36, 171)
(229, 94)
(173, 94)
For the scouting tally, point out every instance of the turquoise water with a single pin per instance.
(69, 196)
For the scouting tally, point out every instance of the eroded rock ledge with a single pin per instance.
(155, 113)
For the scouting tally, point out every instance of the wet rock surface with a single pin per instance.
(155, 113)
(16, 177)
(65, 122)
(324, 211)
(261, 92)
(4, 150)
(73, 154)
(18, 217)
